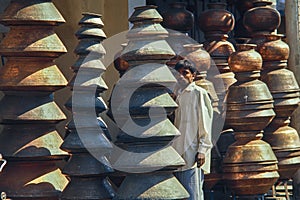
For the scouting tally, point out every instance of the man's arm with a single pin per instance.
(205, 114)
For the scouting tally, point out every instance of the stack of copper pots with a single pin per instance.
(29, 140)
(250, 166)
(216, 22)
(260, 20)
(285, 90)
(86, 138)
(140, 103)
(178, 21)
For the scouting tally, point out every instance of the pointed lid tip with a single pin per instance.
(91, 14)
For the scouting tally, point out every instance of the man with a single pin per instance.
(193, 118)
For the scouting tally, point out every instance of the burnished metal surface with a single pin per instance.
(245, 59)
(88, 172)
(255, 152)
(149, 158)
(149, 186)
(262, 19)
(216, 19)
(22, 12)
(250, 165)
(251, 183)
(178, 18)
(197, 56)
(32, 180)
(274, 48)
(29, 114)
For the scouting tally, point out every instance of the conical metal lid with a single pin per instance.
(28, 73)
(31, 12)
(24, 141)
(84, 164)
(91, 19)
(88, 188)
(149, 186)
(142, 13)
(163, 131)
(33, 109)
(142, 158)
(43, 42)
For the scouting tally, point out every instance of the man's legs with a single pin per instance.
(191, 181)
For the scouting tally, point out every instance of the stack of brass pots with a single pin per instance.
(216, 22)
(86, 138)
(249, 166)
(260, 20)
(285, 90)
(140, 103)
(29, 140)
(178, 21)
(178, 18)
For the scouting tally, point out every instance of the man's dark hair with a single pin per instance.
(186, 65)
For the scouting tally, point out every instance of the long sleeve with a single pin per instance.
(205, 112)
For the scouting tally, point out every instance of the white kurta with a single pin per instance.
(193, 118)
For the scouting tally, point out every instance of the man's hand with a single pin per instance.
(200, 159)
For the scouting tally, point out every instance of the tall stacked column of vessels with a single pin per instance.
(28, 136)
(260, 21)
(145, 155)
(86, 138)
(216, 23)
(250, 166)
(285, 90)
(178, 21)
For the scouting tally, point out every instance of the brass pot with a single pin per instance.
(245, 59)
(197, 56)
(178, 18)
(249, 151)
(273, 49)
(251, 183)
(262, 19)
(216, 20)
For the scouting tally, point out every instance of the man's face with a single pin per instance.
(187, 74)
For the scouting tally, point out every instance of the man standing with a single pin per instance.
(193, 118)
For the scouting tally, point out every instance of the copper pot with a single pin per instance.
(274, 49)
(262, 19)
(245, 59)
(216, 20)
(249, 148)
(178, 18)
(197, 56)
(259, 183)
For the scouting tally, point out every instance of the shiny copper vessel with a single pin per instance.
(260, 20)
(216, 23)
(250, 166)
(144, 152)
(178, 18)
(87, 136)
(29, 115)
(285, 90)
(179, 22)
